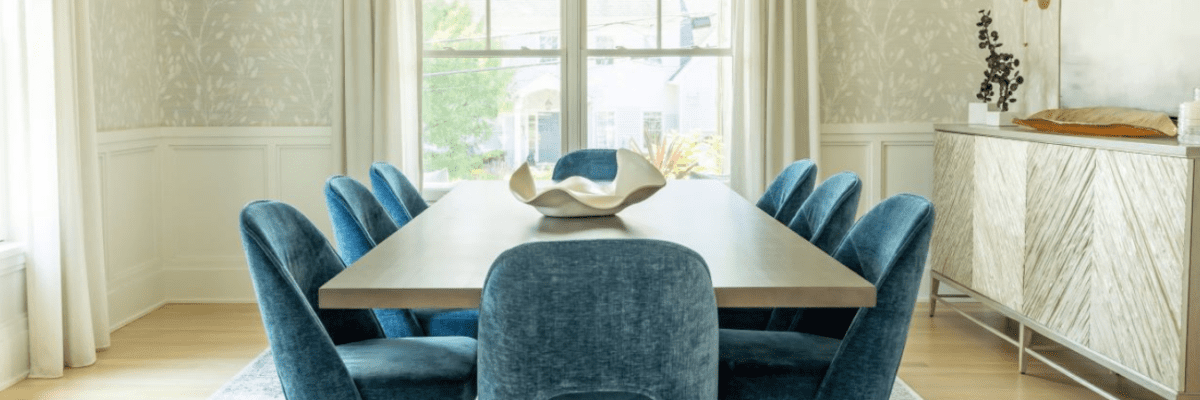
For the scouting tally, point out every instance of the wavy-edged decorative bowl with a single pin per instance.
(577, 196)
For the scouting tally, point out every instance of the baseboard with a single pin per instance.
(8, 382)
(208, 285)
(213, 300)
(139, 314)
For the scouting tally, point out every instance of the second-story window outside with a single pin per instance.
(514, 81)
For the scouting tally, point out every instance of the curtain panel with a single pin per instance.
(775, 117)
(381, 68)
(54, 181)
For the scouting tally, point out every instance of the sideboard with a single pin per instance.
(1088, 241)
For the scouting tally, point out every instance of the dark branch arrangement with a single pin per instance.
(1000, 67)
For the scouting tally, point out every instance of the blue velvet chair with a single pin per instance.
(887, 247)
(789, 190)
(598, 319)
(337, 354)
(823, 220)
(397, 195)
(360, 223)
(598, 165)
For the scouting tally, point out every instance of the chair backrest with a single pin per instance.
(565, 319)
(827, 214)
(598, 165)
(398, 196)
(359, 221)
(789, 190)
(823, 220)
(289, 260)
(887, 247)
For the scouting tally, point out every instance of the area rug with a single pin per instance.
(258, 381)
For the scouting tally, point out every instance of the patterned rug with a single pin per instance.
(258, 382)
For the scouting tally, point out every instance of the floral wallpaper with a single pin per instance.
(900, 60)
(246, 63)
(124, 67)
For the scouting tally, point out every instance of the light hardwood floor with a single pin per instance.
(179, 351)
(187, 351)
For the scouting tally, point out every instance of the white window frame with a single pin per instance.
(9, 98)
(574, 53)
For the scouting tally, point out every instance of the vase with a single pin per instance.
(577, 196)
(977, 112)
(1000, 118)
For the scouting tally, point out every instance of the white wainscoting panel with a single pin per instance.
(301, 175)
(211, 173)
(849, 156)
(908, 168)
(14, 322)
(889, 158)
(205, 188)
(172, 199)
(130, 179)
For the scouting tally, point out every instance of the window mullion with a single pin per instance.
(487, 24)
(659, 23)
(574, 30)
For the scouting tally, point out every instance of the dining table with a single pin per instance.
(441, 258)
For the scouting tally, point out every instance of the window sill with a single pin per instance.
(12, 255)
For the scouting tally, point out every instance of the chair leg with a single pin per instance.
(934, 283)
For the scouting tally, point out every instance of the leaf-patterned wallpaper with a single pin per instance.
(887, 61)
(212, 62)
(270, 62)
(246, 63)
(124, 66)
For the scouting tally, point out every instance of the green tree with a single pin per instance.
(462, 96)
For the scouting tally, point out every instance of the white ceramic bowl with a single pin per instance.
(577, 196)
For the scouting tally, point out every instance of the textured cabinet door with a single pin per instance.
(1139, 238)
(999, 219)
(1058, 240)
(950, 249)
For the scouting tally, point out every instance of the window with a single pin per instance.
(513, 81)
(549, 42)
(603, 42)
(651, 124)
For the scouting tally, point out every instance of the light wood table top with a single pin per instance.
(441, 258)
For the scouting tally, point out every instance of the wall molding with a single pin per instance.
(197, 259)
(133, 275)
(108, 138)
(876, 128)
(135, 316)
(244, 132)
(864, 148)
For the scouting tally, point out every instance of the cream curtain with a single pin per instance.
(381, 53)
(54, 174)
(774, 98)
